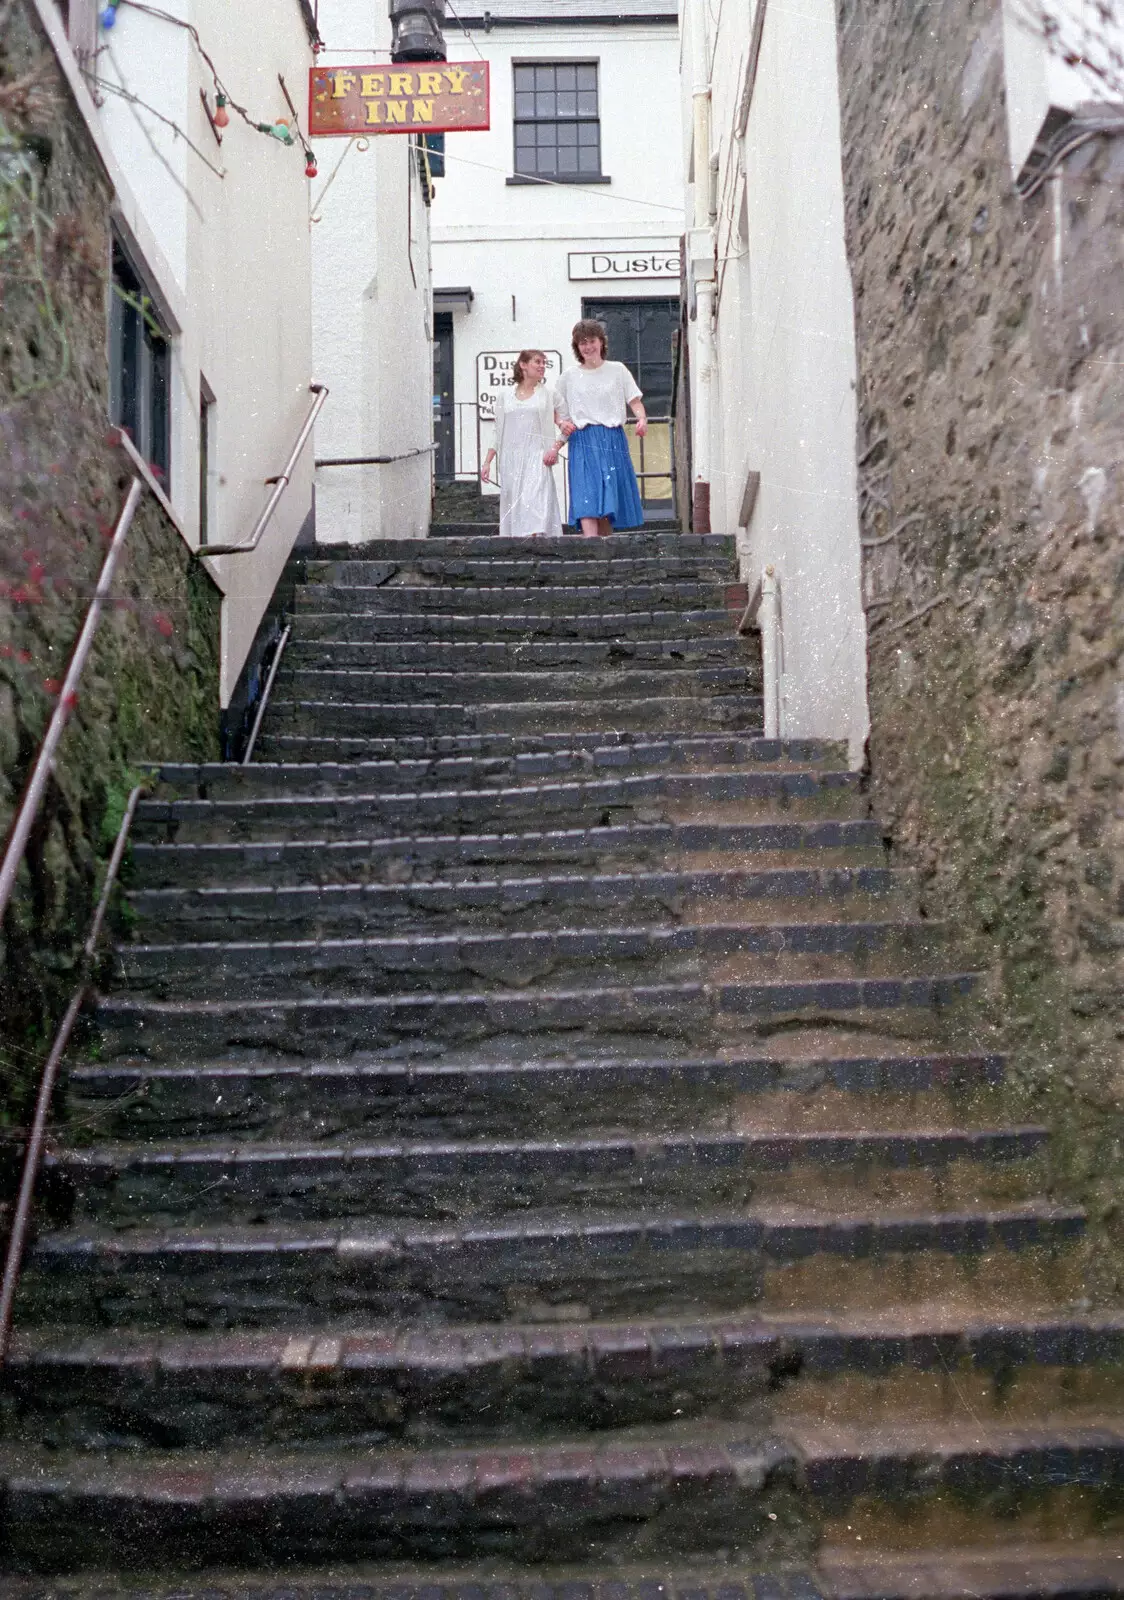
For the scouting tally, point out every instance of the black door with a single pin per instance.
(640, 335)
(444, 411)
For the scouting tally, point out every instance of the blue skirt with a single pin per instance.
(602, 480)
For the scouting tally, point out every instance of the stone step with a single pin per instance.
(503, 962)
(1073, 1570)
(173, 1030)
(524, 569)
(354, 686)
(391, 768)
(483, 654)
(585, 627)
(194, 1182)
(466, 541)
(267, 1096)
(610, 597)
(685, 1490)
(654, 797)
(456, 857)
(348, 1389)
(600, 747)
(654, 1263)
(656, 713)
(656, 898)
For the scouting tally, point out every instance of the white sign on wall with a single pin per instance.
(588, 265)
(494, 375)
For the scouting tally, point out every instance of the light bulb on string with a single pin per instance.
(108, 16)
(221, 118)
(310, 169)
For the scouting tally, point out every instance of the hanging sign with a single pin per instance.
(494, 374)
(429, 97)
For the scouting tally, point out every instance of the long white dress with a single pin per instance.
(524, 432)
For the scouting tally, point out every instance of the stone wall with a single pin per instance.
(151, 689)
(991, 445)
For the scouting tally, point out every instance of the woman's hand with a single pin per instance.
(550, 457)
(641, 427)
(486, 469)
(567, 428)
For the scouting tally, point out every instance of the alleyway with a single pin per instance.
(534, 1134)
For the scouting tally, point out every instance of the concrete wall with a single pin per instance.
(783, 391)
(510, 243)
(372, 324)
(231, 270)
(991, 354)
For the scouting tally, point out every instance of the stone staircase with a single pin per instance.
(534, 1150)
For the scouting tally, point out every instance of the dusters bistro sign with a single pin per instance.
(431, 97)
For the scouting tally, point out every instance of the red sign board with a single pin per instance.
(416, 97)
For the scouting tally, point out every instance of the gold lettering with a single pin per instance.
(373, 83)
(429, 83)
(374, 112)
(457, 79)
(401, 83)
(395, 110)
(342, 82)
(423, 110)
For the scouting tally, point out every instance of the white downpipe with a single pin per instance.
(704, 352)
(769, 622)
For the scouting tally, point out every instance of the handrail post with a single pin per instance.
(280, 484)
(263, 702)
(68, 699)
(33, 1155)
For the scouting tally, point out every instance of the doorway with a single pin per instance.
(641, 334)
(444, 409)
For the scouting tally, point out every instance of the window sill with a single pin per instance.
(521, 178)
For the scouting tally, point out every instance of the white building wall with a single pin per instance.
(372, 323)
(1039, 79)
(232, 270)
(785, 372)
(510, 243)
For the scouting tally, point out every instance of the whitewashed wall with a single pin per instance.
(372, 325)
(510, 243)
(784, 390)
(1037, 76)
(227, 253)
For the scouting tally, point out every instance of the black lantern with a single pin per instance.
(417, 30)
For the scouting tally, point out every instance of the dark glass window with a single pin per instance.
(140, 367)
(557, 120)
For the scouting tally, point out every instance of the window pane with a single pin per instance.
(524, 77)
(587, 103)
(567, 77)
(547, 162)
(587, 77)
(544, 77)
(567, 104)
(547, 137)
(589, 161)
(568, 161)
(587, 134)
(524, 105)
(544, 104)
(567, 133)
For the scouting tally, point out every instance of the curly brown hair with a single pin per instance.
(518, 371)
(588, 329)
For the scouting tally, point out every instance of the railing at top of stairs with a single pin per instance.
(32, 800)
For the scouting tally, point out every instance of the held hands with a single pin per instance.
(567, 428)
(550, 457)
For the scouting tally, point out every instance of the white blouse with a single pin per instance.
(598, 395)
(542, 403)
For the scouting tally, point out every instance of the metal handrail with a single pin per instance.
(375, 461)
(266, 692)
(280, 484)
(33, 1155)
(68, 699)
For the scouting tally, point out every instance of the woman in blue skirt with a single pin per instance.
(591, 400)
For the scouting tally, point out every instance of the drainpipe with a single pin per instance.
(702, 273)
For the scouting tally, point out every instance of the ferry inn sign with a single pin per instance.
(431, 97)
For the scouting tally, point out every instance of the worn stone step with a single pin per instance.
(520, 569)
(171, 1030)
(192, 1182)
(398, 1382)
(609, 597)
(596, 709)
(461, 856)
(654, 797)
(354, 686)
(653, 1263)
(657, 898)
(392, 767)
(270, 1097)
(511, 654)
(608, 627)
(462, 541)
(501, 961)
(1072, 1570)
(356, 749)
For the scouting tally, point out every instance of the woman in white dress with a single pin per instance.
(526, 447)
